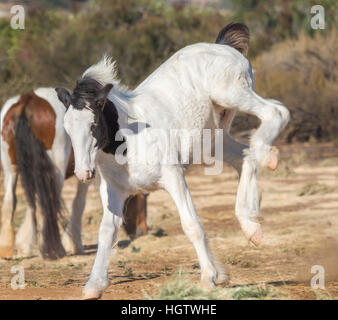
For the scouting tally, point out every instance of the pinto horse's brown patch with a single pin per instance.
(135, 215)
(40, 115)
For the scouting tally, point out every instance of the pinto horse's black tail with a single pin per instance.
(235, 35)
(39, 178)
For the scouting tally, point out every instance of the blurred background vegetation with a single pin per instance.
(293, 63)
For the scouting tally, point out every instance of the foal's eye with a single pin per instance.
(99, 104)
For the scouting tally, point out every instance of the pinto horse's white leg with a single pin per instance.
(26, 237)
(71, 238)
(112, 200)
(174, 182)
(7, 212)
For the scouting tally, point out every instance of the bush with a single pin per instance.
(56, 46)
(303, 75)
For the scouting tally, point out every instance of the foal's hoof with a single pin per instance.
(91, 295)
(256, 238)
(222, 278)
(252, 231)
(207, 285)
(6, 252)
(273, 159)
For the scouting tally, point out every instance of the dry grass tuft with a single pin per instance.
(259, 292)
(322, 295)
(314, 188)
(181, 287)
(329, 162)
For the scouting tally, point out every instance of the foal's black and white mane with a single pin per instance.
(92, 95)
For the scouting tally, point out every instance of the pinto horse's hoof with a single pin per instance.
(273, 159)
(91, 295)
(6, 252)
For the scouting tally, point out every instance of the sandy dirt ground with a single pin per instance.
(299, 231)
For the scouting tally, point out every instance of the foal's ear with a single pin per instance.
(64, 96)
(103, 93)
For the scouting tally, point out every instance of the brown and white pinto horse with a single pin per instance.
(35, 146)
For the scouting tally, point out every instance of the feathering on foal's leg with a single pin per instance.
(174, 182)
(112, 200)
(71, 238)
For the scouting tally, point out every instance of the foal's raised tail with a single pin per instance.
(235, 35)
(39, 179)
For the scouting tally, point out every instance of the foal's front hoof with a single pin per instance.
(273, 159)
(252, 231)
(256, 238)
(91, 294)
(222, 278)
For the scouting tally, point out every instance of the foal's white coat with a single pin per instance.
(59, 154)
(188, 91)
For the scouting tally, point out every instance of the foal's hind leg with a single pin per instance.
(71, 238)
(7, 212)
(274, 117)
(247, 200)
(174, 182)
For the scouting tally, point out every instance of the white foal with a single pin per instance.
(190, 91)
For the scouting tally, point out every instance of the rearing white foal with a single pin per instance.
(194, 89)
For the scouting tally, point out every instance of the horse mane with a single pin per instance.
(236, 35)
(105, 72)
